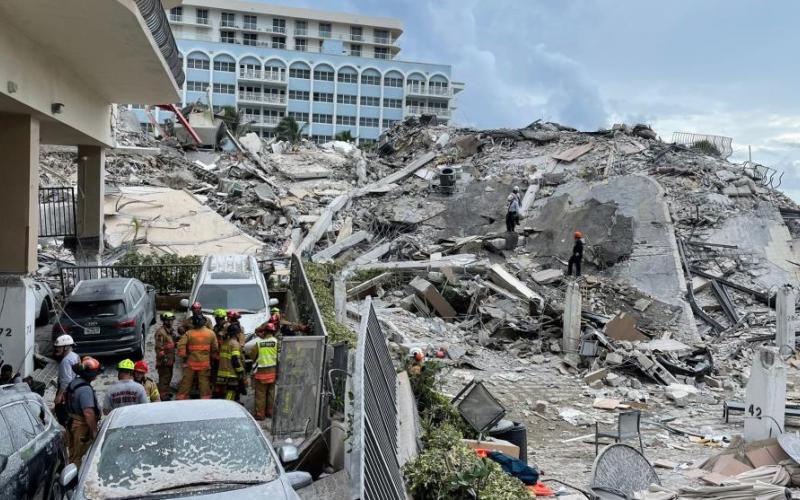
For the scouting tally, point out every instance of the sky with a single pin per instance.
(721, 67)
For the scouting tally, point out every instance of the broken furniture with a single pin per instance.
(628, 426)
(618, 472)
(479, 408)
(792, 410)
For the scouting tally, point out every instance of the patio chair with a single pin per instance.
(627, 427)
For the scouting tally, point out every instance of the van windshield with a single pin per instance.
(239, 297)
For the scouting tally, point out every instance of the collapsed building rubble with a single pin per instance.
(684, 254)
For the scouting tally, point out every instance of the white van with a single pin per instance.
(232, 282)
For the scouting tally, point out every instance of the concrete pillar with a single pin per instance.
(571, 340)
(765, 395)
(91, 191)
(19, 146)
(785, 302)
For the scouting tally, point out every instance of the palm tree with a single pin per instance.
(231, 117)
(345, 136)
(289, 130)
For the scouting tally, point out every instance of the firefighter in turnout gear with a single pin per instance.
(264, 353)
(140, 370)
(165, 353)
(220, 327)
(83, 409)
(233, 319)
(196, 349)
(231, 365)
(188, 322)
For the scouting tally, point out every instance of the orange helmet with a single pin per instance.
(578, 234)
(90, 367)
(141, 367)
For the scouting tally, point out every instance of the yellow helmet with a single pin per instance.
(126, 364)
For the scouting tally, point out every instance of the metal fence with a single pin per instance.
(304, 297)
(57, 212)
(721, 143)
(166, 279)
(371, 457)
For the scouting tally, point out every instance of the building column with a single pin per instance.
(19, 142)
(90, 213)
(571, 336)
(765, 396)
(785, 303)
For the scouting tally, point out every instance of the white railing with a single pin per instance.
(203, 21)
(300, 32)
(261, 75)
(229, 24)
(259, 97)
(434, 90)
(424, 110)
(383, 56)
(250, 74)
(250, 27)
(278, 29)
(324, 34)
(176, 18)
(260, 121)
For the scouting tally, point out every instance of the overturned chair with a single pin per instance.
(618, 472)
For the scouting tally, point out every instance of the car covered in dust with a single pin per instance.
(182, 449)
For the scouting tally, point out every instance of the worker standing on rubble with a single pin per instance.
(264, 354)
(63, 351)
(140, 370)
(220, 327)
(577, 255)
(231, 366)
(196, 348)
(188, 323)
(512, 214)
(82, 409)
(165, 353)
(515, 192)
(125, 391)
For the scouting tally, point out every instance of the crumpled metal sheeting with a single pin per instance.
(744, 491)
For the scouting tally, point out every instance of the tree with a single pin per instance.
(289, 130)
(231, 117)
(345, 136)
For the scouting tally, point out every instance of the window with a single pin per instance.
(381, 53)
(194, 86)
(370, 80)
(227, 66)
(301, 44)
(356, 33)
(202, 16)
(355, 50)
(304, 74)
(301, 28)
(321, 139)
(136, 294)
(279, 25)
(322, 118)
(345, 120)
(392, 82)
(387, 123)
(176, 14)
(323, 97)
(22, 429)
(392, 103)
(346, 99)
(298, 116)
(325, 30)
(40, 416)
(249, 39)
(224, 88)
(347, 77)
(368, 122)
(249, 297)
(138, 106)
(228, 19)
(325, 76)
(193, 63)
(370, 101)
(299, 95)
(250, 22)
(381, 36)
(227, 36)
(278, 42)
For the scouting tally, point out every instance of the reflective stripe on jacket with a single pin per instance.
(230, 364)
(267, 355)
(197, 347)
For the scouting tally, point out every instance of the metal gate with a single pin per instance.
(176, 278)
(371, 457)
(57, 212)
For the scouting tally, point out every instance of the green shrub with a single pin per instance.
(166, 279)
(707, 147)
(320, 278)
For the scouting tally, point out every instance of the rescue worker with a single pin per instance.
(165, 353)
(233, 319)
(230, 376)
(82, 409)
(188, 322)
(125, 391)
(515, 192)
(220, 327)
(196, 348)
(140, 370)
(63, 350)
(264, 353)
(512, 213)
(577, 255)
(7, 376)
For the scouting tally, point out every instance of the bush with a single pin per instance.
(707, 147)
(319, 277)
(166, 279)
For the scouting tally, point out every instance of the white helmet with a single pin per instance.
(64, 341)
(516, 189)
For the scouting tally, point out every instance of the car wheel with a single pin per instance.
(44, 314)
(139, 352)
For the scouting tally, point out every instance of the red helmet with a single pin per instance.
(197, 307)
(141, 367)
(271, 327)
(90, 367)
(232, 315)
(578, 234)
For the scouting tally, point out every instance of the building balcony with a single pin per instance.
(259, 98)
(257, 75)
(424, 110)
(300, 32)
(428, 90)
(325, 34)
(229, 25)
(187, 21)
(261, 121)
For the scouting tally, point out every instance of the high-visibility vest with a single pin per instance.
(267, 352)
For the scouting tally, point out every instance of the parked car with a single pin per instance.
(108, 316)
(232, 282)
(44, 302)
(182, 449)
(32, 448)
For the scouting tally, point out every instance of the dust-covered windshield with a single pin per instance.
(239, 297)
(142, 459)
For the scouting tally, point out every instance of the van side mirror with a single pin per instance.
(288, 453)
(69, 476)
(273, 302)
(185, 303)
(299, 479)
